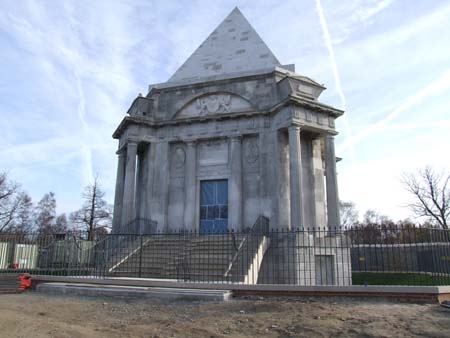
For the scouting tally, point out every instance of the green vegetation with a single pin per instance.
(380, 278)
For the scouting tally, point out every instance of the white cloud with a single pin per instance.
(442, 84)
(71, 69)
(349, 17)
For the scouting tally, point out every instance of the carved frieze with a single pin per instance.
(212, 104)
(217, 103)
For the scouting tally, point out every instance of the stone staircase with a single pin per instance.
(190, 258)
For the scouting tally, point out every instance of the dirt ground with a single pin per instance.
(37, 315)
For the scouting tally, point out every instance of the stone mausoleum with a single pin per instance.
(232, 135)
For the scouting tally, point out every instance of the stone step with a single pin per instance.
(215, 245)
(189, 264)
(151, 257)
(211, 256)
(198, 258)
(168, 248)
(196, 253)
(155, 273)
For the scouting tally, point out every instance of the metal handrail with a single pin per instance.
(260, 222)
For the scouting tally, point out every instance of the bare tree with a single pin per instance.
(375, 218)
(349, 213)
(14, 203)
(23, 222)
(45, 214)
(61, 224)
(431, 191)
(95, 214)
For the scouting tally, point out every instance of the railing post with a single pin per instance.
(140, 257)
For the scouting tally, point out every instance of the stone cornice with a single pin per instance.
(300, 101)
(136, 120)
(175, 86)
(290, 100)
(238, 77)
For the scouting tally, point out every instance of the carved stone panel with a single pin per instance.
(251, 150)
(177, 159)
(218, 103)
(250, 153)
(213, 153)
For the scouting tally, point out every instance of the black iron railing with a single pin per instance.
(337, 256)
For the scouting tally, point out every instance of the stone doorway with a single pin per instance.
(324, 270)
(213, 206)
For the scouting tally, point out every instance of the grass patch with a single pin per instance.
(380, 278)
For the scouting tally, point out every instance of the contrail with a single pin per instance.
(334, 68)
(326, 36)
(440, 84)
(86, 152)
(81, 111)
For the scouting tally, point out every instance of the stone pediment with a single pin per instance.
(214, 103)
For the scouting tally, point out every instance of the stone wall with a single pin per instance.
(301, 259)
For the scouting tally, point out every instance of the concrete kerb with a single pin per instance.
(412, 293)
(83, 289)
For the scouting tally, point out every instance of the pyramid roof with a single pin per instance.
(234, 46)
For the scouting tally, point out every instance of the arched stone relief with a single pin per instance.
(214, 103)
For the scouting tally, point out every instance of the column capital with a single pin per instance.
(191, 143)
(318, 137)
(121, 153)
(236, 138)
(132, 143)
(294, 128)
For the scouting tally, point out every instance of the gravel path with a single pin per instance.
(36, 315)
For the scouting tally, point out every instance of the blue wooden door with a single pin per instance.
(213, 206)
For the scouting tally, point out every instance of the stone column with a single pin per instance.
(141, 188)
(128, 211)
(295, 166)
(118, 197)
(190, 184)
(140, 180)
(332, 187)
(150, 157)
(235, 185)
(159, 168)
(319, 184)
(282, 179)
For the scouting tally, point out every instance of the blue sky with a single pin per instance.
(70, 69)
